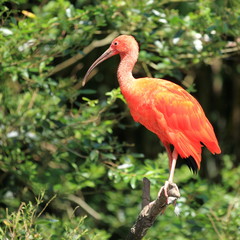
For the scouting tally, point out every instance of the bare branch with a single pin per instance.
(152, 209)
(85, 206)
(85, 51)
(146, 192)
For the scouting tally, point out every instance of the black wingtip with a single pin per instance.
(192, 164)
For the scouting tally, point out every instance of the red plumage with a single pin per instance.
(163, 107)
(173, 115)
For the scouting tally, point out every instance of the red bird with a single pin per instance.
(163, 107)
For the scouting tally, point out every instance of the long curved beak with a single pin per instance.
(107, 54)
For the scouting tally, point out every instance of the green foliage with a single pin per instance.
(67, 141)
(207, 210)
(26, 223)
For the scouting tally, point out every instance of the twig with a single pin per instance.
(33, 98)
(46, 205)
(152, 209)
(214, 227)
(231, 206)
(85, 206)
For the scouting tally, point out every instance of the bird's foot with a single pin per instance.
(171, 192)
(165, 188)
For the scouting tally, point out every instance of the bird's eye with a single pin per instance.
(115, 43)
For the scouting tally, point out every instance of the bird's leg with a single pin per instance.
(173, 161)
(173, 165)
(169, 153)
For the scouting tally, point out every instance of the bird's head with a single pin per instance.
(122, 45)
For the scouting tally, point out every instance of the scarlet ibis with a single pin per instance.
(163, 107)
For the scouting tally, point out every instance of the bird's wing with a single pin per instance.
(185, 117)
(174, 115)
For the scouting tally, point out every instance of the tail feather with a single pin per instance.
(187, 148)
(191, 149)
(208, 138)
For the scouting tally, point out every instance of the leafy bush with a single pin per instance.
(78, 145)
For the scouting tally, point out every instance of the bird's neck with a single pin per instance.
(125, 68)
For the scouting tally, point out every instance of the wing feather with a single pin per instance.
(174, 115)
(187, 122)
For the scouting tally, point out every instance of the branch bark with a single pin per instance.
(150, 210)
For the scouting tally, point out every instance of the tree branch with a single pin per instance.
(85, 206)
(84, 52)
(152, 209)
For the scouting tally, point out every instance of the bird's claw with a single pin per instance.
(165, 188)
(171, 192)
